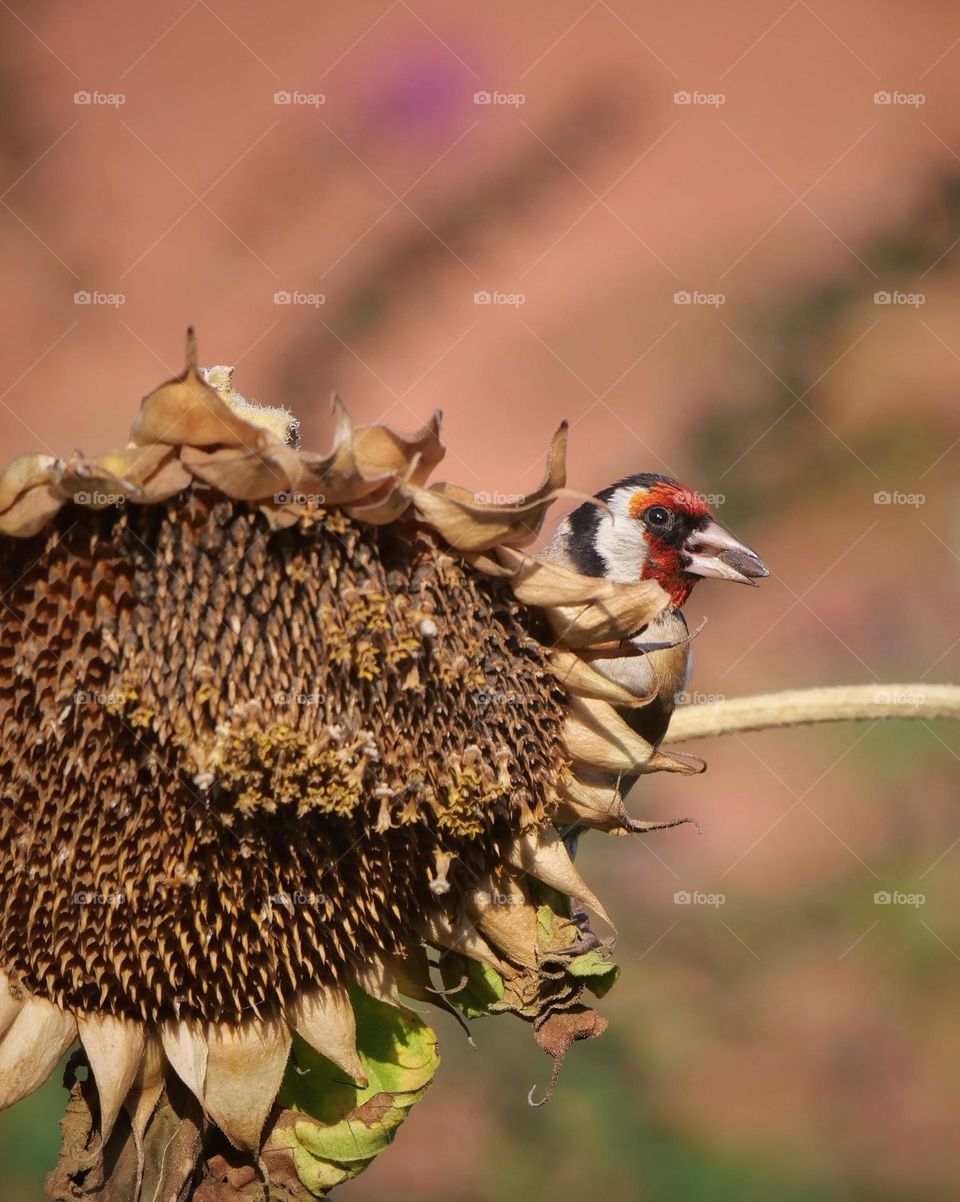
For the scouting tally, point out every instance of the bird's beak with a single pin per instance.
(714, 551)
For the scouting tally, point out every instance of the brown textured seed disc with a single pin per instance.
(230, 757)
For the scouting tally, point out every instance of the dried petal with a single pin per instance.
(31, 511)
(470, 525)
(339, 477)
(578, 678)
(245, 1066)
(10, 1006)
(537, 582)
(461, 937)
(325, 1019)
(186, 1049)
(246, 475)
(389, 501)
(141, 1101)
(596, 735)
(379, 450)
(618, 614)
(592, 801)
(98, 483)
(186, 411)
(377, 978)
(507, 917)
(26, 472)
(542, 854)
(171, 478)
(31, 1048)
(114, 1049)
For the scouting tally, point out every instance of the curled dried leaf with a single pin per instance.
(617, 614)
(469, 524)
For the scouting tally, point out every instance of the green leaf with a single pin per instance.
(362, 1136)
(484, 985)
(599, 974)
(340, 1128)
(318, 1176)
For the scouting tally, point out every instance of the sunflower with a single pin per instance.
(286, 739)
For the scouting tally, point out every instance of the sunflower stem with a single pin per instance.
(798, 707)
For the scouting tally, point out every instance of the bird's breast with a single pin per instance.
(659, 675)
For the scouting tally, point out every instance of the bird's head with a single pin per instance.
(656, 529)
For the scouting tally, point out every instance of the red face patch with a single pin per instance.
(665, 560)
(671, 496)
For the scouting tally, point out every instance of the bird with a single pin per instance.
(651, 527)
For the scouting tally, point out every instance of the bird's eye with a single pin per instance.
(657, 516)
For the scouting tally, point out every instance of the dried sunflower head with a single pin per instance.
(285, 738)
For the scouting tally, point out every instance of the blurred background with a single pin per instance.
(724, 242)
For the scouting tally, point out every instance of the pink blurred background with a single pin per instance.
(723, 242)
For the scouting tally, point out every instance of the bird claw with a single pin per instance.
(588, 940)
